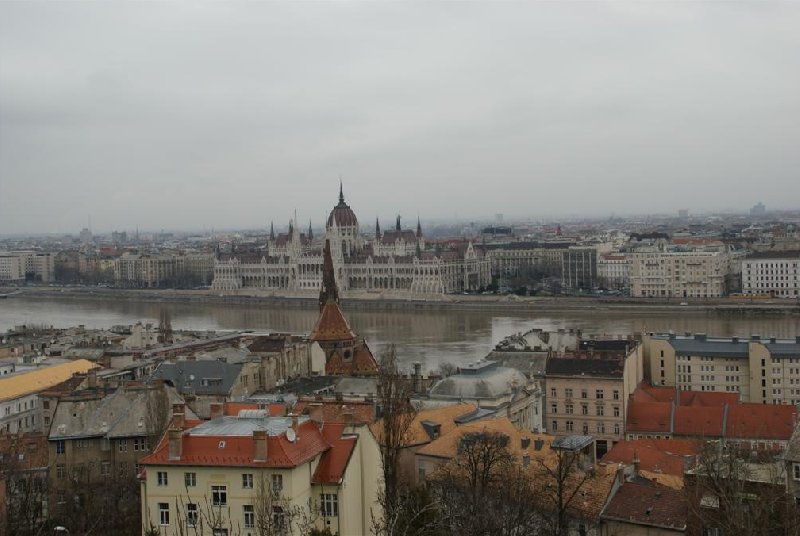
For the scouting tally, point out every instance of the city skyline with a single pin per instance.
(227, 116)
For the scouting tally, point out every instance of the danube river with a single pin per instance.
(429, 336)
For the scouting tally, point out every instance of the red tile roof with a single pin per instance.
(331, 325)
(336, 411)
(334, 461)
(649, 417)
(761, 421)
(699, 421)
(361, 362)
(238, 450)
(655, 455)
(706, 398)
(647, 503)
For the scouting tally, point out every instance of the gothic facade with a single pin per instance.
(395, 263)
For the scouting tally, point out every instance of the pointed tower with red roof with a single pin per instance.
(345, 352)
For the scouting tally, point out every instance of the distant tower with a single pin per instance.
(271, 231)
(342, 228)
(419, 228)
(397, 225)
(377, 228)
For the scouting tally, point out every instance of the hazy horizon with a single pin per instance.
(230, 115)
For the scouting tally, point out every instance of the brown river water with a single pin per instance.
(429, 336)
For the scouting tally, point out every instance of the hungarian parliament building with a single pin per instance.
(395, 263)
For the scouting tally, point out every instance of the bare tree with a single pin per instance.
(25, 487)
(558, 482)
(739, 491)
(483, 490)
(397, 414)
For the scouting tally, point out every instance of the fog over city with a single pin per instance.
(225, 115)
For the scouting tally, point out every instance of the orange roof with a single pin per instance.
(661, 456)
(335, 460)
(761, 421)
(444, 417)
(43, 378)
(647, 393)
(446, 446)
(204, 450)
(649, 417)
(707, 398)
(362, 362)
(331, 325)
(335, 411)
(699, 421)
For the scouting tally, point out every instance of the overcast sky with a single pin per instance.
(229, 115)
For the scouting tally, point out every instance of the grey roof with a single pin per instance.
(792, 452)
(573, 442)
(228, 355)
(481, 380)
(531, 363)
(200, 377)
(123, 413)
(784, 348)
(710, 347)
(478, 414)
(244, 425)
(602, 367)
(357, 386)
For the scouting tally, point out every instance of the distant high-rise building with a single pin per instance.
(86, 236)
(758, 209)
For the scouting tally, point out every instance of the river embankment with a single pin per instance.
(465, 302)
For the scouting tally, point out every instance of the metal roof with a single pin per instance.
(244, 426)
(200, 377)
(710, 347)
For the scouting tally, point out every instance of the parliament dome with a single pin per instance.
(342, 214)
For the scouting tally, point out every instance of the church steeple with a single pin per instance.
(310, 232)
(419, 228)
(272, 231)
(341, 193)
(328, 293)
(377, 228)
(397, 226)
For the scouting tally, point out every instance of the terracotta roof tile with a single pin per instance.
(331, 325)
(658, 456)
(761, 421)
(238, 451)
(335, 411)
(699, 421)
(333, 463)
(649, 417)
(648, 503)
(444, 416)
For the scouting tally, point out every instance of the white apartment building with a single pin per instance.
(679, 274)
(613, 271)
(775, 275)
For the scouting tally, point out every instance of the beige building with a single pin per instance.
(589, 395)
(20, 408)
(35, 265)
(11, 268)
(613, 271)
(758, 370)
(234, 474)
(679, 274)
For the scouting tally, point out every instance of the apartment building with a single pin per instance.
(254, 469)
(758, 370)
(11, 268)
(613, 271)
(31, 265)
(774, 274)
(98, 437)
(679, 274)
(20, 409)
(589, 395)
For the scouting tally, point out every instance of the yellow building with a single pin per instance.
(236, 475)
(759, 370)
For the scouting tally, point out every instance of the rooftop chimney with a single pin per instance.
(316, 412)
(175, 444)
(216, 410)
(92, 379)
(417, 377)
(636, 462)
(259, 445)
(755, 337)
(178, 420)
(734, 339)
(295, 423)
